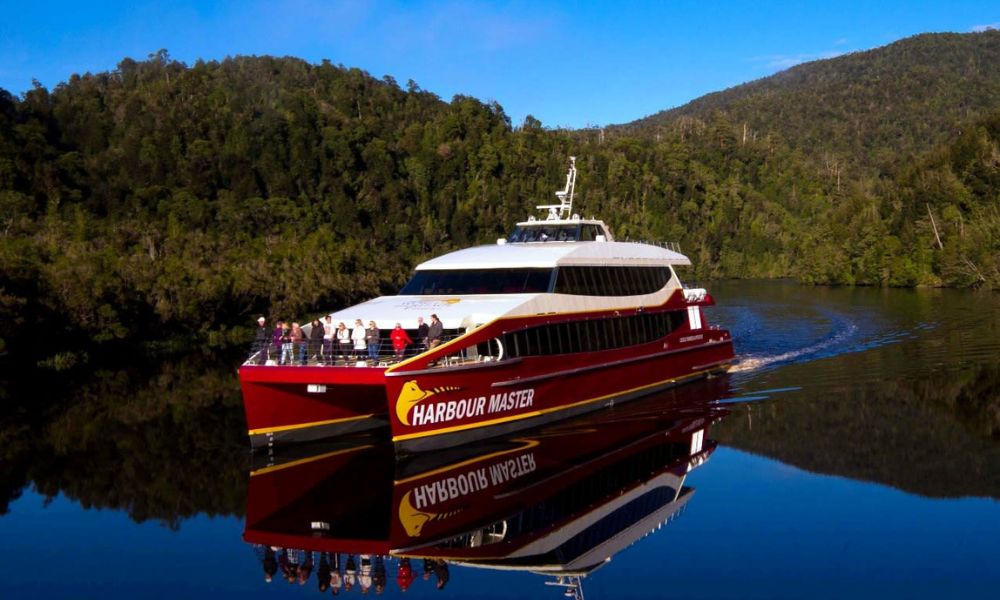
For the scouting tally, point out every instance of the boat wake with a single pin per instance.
(757, 362)
(839, 333)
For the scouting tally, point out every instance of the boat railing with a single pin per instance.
(317, 353)
(672, 246)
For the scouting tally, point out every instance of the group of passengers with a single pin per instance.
(336, 572)
(328, 344)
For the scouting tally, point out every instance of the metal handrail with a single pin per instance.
(672, 246)
(315, 353)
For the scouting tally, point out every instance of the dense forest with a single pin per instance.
(164, 203)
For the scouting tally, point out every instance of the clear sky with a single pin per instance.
(567, 63)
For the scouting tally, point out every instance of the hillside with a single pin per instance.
(875, 107)
(166, 202)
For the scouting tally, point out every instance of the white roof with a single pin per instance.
(454, 311)
(550, 254)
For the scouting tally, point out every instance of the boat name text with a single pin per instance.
(452, 410)
(475, 480)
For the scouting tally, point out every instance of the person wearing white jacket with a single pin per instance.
(358, 336)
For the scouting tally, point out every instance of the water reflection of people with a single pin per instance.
(333, 574)
(350, 573)
(439, 569)
(336, 579)
(269, 562)
(378, 574)
(287, 566)
(404, 577)
(323, 573)
(365, 573)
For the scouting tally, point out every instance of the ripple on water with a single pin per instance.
(861, 335)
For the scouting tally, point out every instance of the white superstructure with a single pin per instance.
(559, 240)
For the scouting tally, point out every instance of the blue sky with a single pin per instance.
(567, 63)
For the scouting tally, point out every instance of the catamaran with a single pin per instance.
(555, 320)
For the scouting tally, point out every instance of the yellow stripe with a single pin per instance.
(303, 461)
(536, 413)
(527, 444)
(304, 425)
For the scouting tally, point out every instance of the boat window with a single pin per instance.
(592, 335)
(589, 232)
(611, 280)
(478, 281)
(545, 233)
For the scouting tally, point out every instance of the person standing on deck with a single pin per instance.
(261, 341)
(286, 345)
(373, 337)
(299, 339)
(358, 337)
(316, 334)
(343, 341)
(400, 340)
(421, 335)
(329, 334)
(279, 329)
(434, 332)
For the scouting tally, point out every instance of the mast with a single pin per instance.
(564, 209)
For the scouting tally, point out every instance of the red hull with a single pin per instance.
(430, 402)
(310, 403)
(503, 398)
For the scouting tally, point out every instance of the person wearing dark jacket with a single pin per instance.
(316, 340)
(421, 334)
(323, 573)
(373, 338)
(262, 341)
(277, 338)
(434, 332)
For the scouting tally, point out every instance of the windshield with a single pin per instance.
(545, 233)
(479, 281)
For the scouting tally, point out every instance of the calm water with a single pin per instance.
(858, 455)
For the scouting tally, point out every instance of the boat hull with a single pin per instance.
(438, 408)
(432, 410)
(299, 404)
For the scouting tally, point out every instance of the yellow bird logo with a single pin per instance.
(411, 394)
(414, 519)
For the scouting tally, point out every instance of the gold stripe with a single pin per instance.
(536, 413)
(527, 444)
(303, 461)
(303, 425)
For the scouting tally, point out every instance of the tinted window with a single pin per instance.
(545, 233)
(611, 281)
(593, 335)
(478, 281)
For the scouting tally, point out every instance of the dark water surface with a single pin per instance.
(853, 452)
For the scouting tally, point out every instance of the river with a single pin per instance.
(854, 451)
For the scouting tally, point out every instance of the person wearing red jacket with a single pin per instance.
(400, 340)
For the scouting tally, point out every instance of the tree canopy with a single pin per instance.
(165, 201)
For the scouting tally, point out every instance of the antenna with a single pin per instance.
(565, 207)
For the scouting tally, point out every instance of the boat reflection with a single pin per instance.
(559, 501)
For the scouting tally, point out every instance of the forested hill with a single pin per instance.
(865, 108)
(165, 201)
